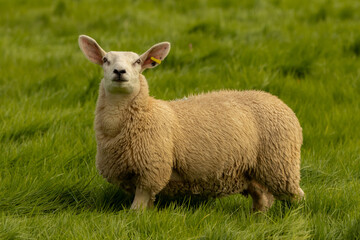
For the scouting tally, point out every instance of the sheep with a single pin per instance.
(214, 144)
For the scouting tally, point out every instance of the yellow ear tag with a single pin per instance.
(156, 60)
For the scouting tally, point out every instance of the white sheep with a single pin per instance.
(212, 144)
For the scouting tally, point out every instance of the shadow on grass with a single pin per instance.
(113, 199)
(107, 198)
(191, 202)
(110, 199)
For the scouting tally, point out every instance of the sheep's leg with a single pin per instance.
(262, 198)
(299, 197)
(142, 199)
(150, 184)
(151, 202)
(301, 194)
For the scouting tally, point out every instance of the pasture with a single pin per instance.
(305, 52)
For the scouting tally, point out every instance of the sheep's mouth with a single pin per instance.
(118, 79)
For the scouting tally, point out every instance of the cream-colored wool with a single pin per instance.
(213, 144)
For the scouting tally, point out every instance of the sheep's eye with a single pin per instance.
(138, 61)
(105, 60)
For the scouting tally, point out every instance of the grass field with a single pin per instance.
(306, 52)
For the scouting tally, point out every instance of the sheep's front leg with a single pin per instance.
(150, 183)
(143, 199)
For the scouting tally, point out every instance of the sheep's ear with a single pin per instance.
(153, 57)
(91, 49)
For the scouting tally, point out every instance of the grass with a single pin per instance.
(305, 52)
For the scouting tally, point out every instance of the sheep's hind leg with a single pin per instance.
(262, 198)
(143, 199)
(299, 196)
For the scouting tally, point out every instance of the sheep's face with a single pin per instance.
(121, 72)
(122, 69)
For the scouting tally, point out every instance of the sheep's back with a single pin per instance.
(224, 132)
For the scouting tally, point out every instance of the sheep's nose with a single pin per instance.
(119, 72)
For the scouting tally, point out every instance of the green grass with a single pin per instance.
(305, 52)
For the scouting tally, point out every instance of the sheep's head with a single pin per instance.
(122, 69)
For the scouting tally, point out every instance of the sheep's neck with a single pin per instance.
(112, 111)
(118, 102)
